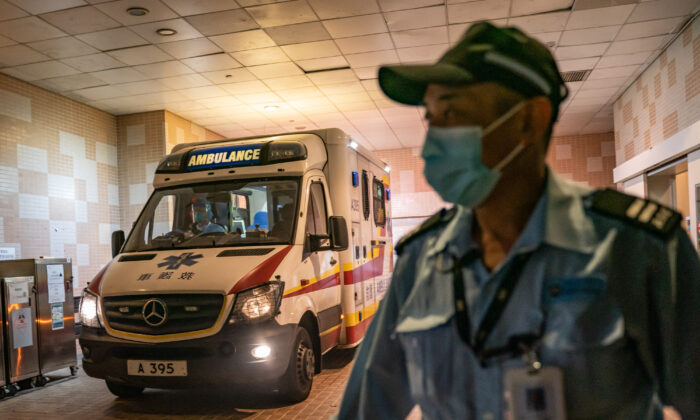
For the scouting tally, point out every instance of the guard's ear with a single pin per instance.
(538, 114)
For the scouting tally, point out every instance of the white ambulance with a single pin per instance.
(241, 267)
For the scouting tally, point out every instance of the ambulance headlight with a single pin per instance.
(90, 310)
(257, 304)
(285, 151)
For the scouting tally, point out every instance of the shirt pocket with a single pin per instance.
(579, 314)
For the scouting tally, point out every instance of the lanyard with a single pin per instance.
(495, 310)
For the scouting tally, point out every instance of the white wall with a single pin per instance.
(693, 179)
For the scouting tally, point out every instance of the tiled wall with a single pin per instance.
(143, 141)
(663, 100)
(58, 178)
(587, 159)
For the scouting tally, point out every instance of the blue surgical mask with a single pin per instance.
(199, 217)
(453, 164)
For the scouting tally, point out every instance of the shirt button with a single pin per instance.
(488, 415)
(555, 291)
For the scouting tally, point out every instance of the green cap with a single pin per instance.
(485, 53)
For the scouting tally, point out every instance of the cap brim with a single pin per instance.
(407, 84)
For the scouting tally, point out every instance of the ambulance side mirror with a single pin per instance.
(338, 233)
(117, 242)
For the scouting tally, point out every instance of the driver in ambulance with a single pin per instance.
(202, 215)
(532, 297)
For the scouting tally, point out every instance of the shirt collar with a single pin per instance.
(559, 219)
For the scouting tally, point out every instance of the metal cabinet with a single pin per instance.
(18, 314)
(56, 323)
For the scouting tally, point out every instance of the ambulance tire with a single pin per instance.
(124, 391)
(296, 382)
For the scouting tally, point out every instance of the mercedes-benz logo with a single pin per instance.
(154, 312)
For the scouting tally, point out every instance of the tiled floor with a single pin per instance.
(85, 398)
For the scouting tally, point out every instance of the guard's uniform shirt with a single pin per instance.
(617, 307)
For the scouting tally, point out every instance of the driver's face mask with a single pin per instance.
(453, 164)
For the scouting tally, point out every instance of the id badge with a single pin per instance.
(534, 395)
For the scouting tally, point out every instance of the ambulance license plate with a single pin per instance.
(156, 367)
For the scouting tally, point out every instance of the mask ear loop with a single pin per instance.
(503, 118)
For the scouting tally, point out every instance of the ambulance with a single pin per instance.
(252, 258)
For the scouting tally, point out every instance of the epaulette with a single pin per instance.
(645, 214)
(438, 219)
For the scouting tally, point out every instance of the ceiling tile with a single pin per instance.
(243, 41)
(309, 50)
(330, 9)
(269, 71)
(391, 5)
(261, 56)
(16, 55)
(190, 7)
(184, 31)
(365, 43)
(29, 29)
(478, 10)
(112, 39)
(374, 58)
(531, 7)
(661, 9)
(333, 76)
(163, 69)
(603, 16)
(146, 86)
(299, 33)
(117, 10)
(80, 20)
(223, 22)
(596, 93)
(289, 82)
(325, 63)
(4, 41)
(604, 83)
(185, 81)
(229, 76)
(225, 101)
(589, 36)
(62, 47)
(203, 92)
(548, 22)
(425, 54)
(279, 14)
(190, 48)
(93, 62)
(37, 7)
(638, 45)
(140, 55)
(122, 75)
(418, 37)
(416, 18)
(340, 88)
(10, 11)
(581, 51)
(355, 26)
(578, 64)
(649, 28)
(550, 39)
(43, 70)
(72, 82)
(611, 72)
(212, 62)
(624, 59)
(243, 88)
(299, 93)
(259, 98)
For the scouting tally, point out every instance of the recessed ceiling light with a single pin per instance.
(166, 31)
(271, 107)
(137, 11)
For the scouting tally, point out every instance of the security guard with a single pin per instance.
(533, 297)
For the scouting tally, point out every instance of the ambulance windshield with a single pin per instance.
(242, 212)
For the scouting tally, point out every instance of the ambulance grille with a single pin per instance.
(185, 313)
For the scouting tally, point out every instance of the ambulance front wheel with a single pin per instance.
(297, 380)
(124, 391)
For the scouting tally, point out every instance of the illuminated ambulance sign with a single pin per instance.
(222, 157)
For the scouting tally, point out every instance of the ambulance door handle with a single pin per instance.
(333, 261)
